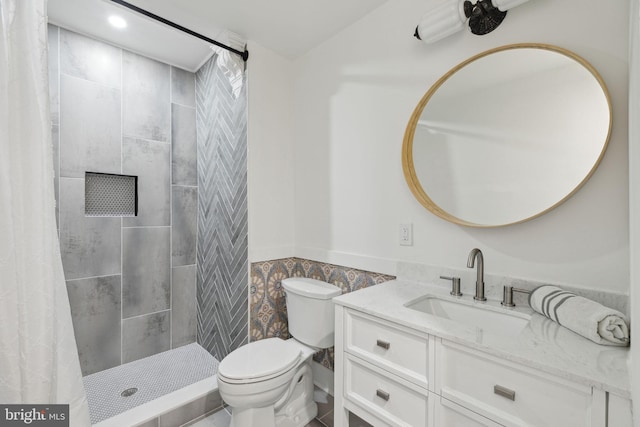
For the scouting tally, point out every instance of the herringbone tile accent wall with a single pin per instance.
(222, 213)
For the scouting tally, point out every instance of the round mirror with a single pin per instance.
(507, 135)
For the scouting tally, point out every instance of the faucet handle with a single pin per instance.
(507, 295)
(455, 285)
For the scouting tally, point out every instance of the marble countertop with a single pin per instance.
(542, 344)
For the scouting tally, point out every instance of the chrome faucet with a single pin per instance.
(477, 253)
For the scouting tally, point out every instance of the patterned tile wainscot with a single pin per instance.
(268, 310)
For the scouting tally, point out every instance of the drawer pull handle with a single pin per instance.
(504, 392)
(382, 394)
(383, 344)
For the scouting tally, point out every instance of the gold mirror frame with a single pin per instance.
(407, 145)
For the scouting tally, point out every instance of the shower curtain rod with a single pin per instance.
(244, 55)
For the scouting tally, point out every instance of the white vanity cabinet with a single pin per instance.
(383, 371)
(385, 397)
(447, 413)
(513, 395)
(400, 351)
(392, 375)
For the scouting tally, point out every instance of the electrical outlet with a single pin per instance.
(406, 235)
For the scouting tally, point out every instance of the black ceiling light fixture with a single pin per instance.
(450, 16)
(483, 16)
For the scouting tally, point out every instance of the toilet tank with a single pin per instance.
(310, 310)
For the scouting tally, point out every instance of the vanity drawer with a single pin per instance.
(387, 345)
(509, 394)
(390, 398)
(451, 414)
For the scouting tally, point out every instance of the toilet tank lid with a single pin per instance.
(310, 288)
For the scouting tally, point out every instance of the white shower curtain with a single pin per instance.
(231, 64)
(38, 356)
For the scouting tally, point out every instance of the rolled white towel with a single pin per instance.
(588, 318)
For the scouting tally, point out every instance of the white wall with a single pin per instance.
(353, 96)
(271, 150)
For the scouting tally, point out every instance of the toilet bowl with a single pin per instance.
(269, 383)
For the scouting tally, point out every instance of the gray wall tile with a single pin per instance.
(183, 305)
(90, 128)
(144, 336)
(90, 246)
(95, 309)
(184, 166)
(54, 73)
(185, 228)
(145, 103)
(145, 270)
(149, 161)
(99, 93)
(183, 87)
(90, 59)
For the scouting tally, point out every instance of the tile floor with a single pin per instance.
(324, 419)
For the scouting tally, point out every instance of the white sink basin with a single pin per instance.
(480, 315)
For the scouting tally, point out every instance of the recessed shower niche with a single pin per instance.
(110, 195)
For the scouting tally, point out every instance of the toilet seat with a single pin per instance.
(259, 361)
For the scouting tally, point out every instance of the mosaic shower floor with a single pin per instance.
(152, 376)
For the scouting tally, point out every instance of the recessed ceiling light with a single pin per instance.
(117, 21)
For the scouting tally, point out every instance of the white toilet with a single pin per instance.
(268, 383)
